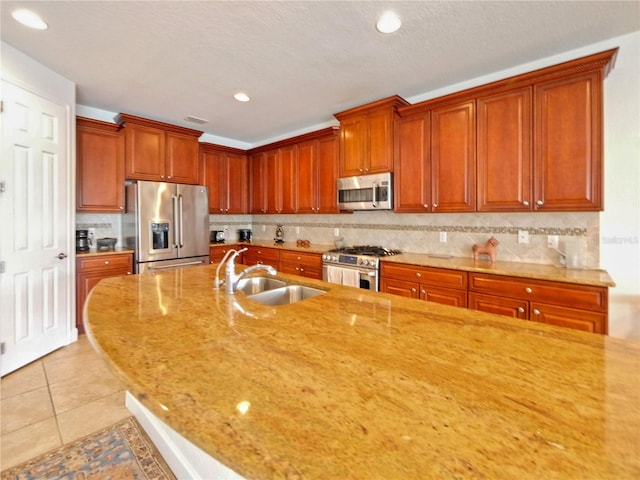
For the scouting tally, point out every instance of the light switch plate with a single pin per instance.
(552, 241)
(523, 236)
(336, 232)
(443, 237)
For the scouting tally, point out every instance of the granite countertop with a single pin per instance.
(94, 251)
(594, 277)
(352, 384)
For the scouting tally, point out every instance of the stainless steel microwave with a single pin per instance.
(366, 192)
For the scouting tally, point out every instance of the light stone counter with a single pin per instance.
(357, 385)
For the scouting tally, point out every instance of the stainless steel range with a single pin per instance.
(355, 266)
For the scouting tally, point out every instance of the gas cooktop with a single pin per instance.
(369, 250)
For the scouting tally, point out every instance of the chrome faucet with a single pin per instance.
(231, 278)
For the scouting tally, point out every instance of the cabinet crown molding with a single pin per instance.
(393, 101)
(123, 119)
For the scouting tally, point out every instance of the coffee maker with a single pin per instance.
(82, 240)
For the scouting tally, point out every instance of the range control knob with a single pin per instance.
(364, 262)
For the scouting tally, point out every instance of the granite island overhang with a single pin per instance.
(355, 384)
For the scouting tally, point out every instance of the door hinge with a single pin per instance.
(2, 348)
(3, 186)
(1, 106)
(2, 267)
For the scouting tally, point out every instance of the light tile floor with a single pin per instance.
(55, 400)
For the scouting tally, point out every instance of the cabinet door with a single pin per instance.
(273, 182)
(568, 150)
(307, 177)
(453, 158)
(258, 191)
(213, 173)
(217, 253)
(379, 152)
(288, 180)
(412, 176)
(399, 287)
(499, 305)
(145, 153)
(236, 183)
(181, 157)
(504, 152)
(327, 157)
(352, 146)
(100, 167)
(569, 317)
(445, 296)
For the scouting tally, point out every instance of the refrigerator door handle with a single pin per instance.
(181, 223)
(176, 222)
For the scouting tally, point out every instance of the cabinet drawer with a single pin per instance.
(309, 259)
(439, 277)
(264, 255)
(100, 262)
(555, 293)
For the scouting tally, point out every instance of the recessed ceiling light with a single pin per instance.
(241, 97)
(29, 18)
(389, 22)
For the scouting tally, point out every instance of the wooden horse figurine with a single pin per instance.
(490, 249)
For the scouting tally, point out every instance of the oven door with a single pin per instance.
(366, 279)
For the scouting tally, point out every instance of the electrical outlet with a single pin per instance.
(523, 236)
(264, 228)
(552, 241)
(443, 237)
(297, 229)
(336, 232)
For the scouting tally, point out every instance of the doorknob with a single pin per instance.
(62, 256)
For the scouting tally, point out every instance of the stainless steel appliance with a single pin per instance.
(82, 240)
(244, 235)
(366, 192)
(167, 225)
(217, 236)
(354, 266)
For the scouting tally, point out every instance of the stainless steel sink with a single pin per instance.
(254, 285)
(286, 295)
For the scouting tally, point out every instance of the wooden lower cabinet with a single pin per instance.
(217, 253)
(262, 256)
(301, 263)
(581, 307)
(448, 287)
(91, 269)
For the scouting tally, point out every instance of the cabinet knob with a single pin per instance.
(423, 292)
(168, 176)
(418, 274)
(413, 290)
(525, 203)
(539, 203)
(106, 262)
(301, 269)
(435, 205)
(520, 310)
(426, 205)
(128, 273)
(121, 207)
(536, 311)
(528, 290)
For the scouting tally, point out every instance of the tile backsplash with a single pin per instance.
(419, 233)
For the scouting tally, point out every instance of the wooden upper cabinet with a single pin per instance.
(159, 152)
(568, 151)
(366, 137)
(317, 171)
(307, 177)
(412, 164)
(504, 157)
(453, 158)
(226, 173)
(288, 180)
(257, 181)
(100, 166)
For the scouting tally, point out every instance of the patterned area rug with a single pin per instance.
(122, 451)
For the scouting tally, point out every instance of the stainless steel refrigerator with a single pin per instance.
(167, 225)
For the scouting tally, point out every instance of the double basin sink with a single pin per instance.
(271, 291)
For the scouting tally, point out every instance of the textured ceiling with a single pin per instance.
(299, 61)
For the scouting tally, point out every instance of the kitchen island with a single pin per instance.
(354, 384)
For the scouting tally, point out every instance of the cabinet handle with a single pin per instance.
(525, 203)
(539, 203)
(520, 310)
(528, 290)
(536, 311)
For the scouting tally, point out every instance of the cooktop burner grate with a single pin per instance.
(373, 251)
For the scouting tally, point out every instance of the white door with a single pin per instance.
(36, 271)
